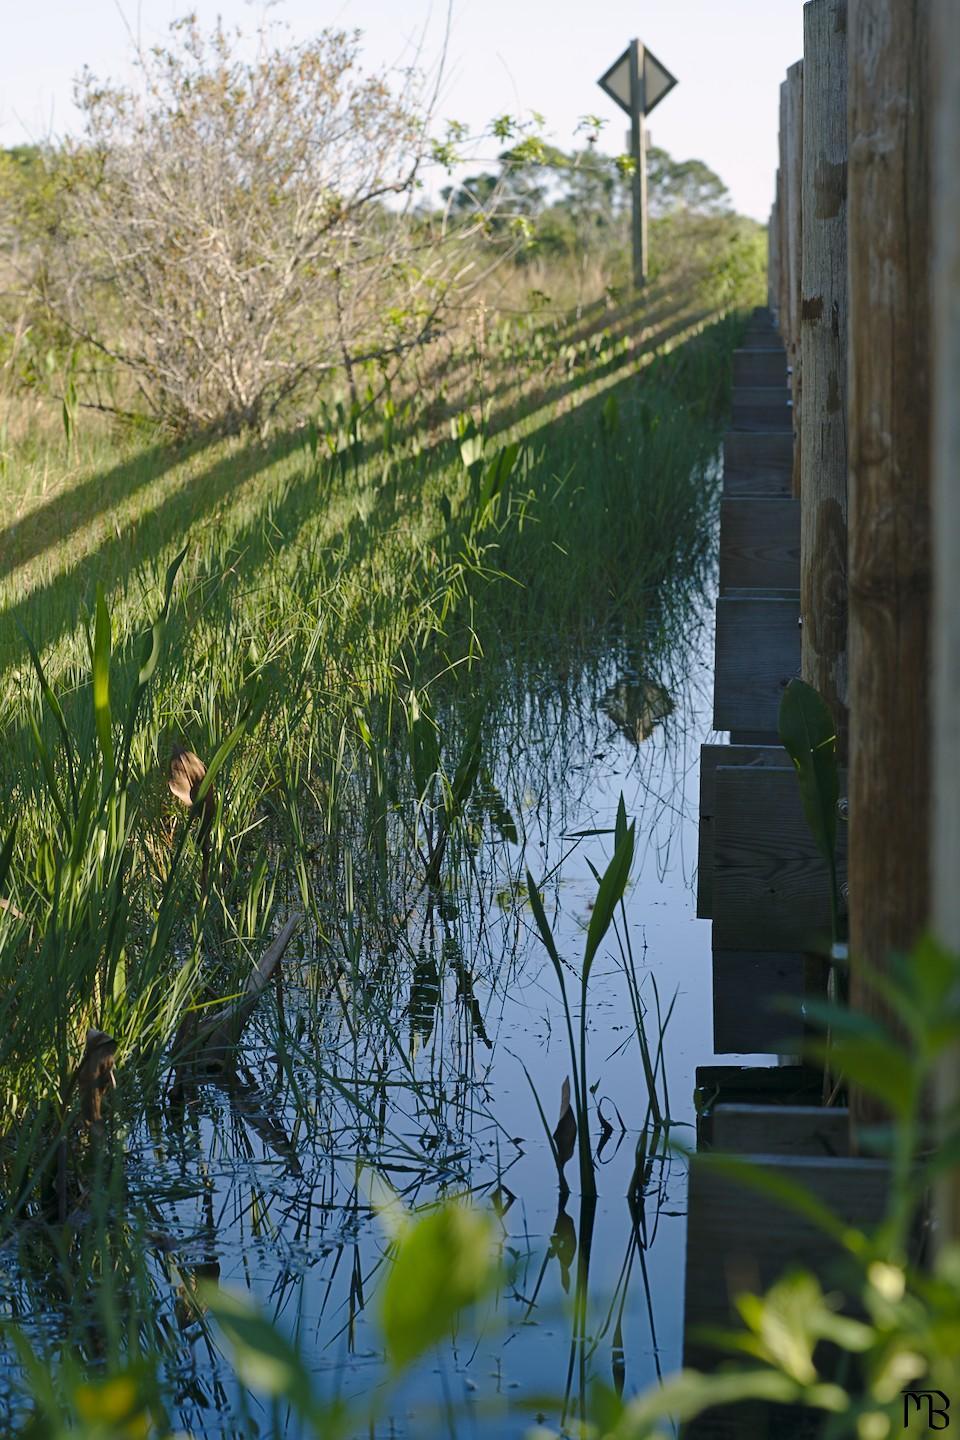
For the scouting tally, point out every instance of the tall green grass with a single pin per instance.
(330, 622)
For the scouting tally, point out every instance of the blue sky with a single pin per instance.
(504, 56)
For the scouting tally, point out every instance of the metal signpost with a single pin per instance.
(637, 82)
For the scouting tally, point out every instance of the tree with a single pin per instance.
(675, 185)
(239, 227)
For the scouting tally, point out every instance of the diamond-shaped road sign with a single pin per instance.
(657, 81)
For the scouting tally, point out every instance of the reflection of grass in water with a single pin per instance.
(334, 595)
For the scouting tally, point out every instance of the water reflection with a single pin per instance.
(404, 1053)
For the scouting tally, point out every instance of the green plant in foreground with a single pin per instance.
(609, 894)
(444, 1261)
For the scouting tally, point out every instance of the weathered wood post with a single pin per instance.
(783, 248)
(773, 255)
(945, 835)
(823, 357)
(889, 484)
(794, 149)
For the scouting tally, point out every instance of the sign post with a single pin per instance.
(637, 82)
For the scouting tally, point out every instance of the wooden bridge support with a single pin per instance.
(889, 497)
(945, 835)
(823, 357)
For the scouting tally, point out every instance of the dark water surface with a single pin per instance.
(420, 1082)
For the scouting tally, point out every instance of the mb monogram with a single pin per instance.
(936, 1404)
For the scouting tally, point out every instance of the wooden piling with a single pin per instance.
(783, 245)
(823, 357)
(773, 250)
(889, 486)
(946, 535)
(794, 162)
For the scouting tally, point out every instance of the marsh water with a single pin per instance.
(424, 1070)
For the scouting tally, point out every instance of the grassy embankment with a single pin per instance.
(319, 594)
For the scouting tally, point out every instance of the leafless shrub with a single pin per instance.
(240, 226)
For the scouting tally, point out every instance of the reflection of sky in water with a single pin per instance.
(281, 1204)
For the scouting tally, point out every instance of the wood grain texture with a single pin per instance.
(782, 1130)
(823, 357)
(760, 407)
(760, 365)
(889, 485)
(758, 449)
(757, 462)
(770, 884)
(759, 543)
(946, 533)
(711, 756)
(738, 1239)
(783, 296)
(794, 246)
(773, 248)
(748, 987)
(757, 655)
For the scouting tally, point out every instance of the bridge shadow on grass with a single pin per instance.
(56, 607)
(53, 522)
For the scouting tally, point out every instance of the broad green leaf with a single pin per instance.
(445, 1262)
(264, 1359)
(809, 737)
(467, 770)
(878, 1067)
(543, 925)
(424, 745)
(220, 758)
(154, 643)
(685, 1395)
(609, 895)
(101, 680)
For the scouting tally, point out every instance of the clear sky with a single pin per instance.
(504, 56)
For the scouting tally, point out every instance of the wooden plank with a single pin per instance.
(711, 756)
(761, 407)
(748, 987)
(757, 655)
(763, 340)
(769, 484)
(759, 543)
(738, 1239)
(889, 437)
(946, 543)
(760, 365)
(752, 1085)
(782, 1129)
(770, 884)
(823, 352)
(750, 449)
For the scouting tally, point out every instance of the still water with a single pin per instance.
(419, 1069)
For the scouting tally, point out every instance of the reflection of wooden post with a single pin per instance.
(794, 149)
(946, 528)
(823, 356)
(638, 146)
(889, 485)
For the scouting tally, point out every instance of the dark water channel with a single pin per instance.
(270, 1192)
